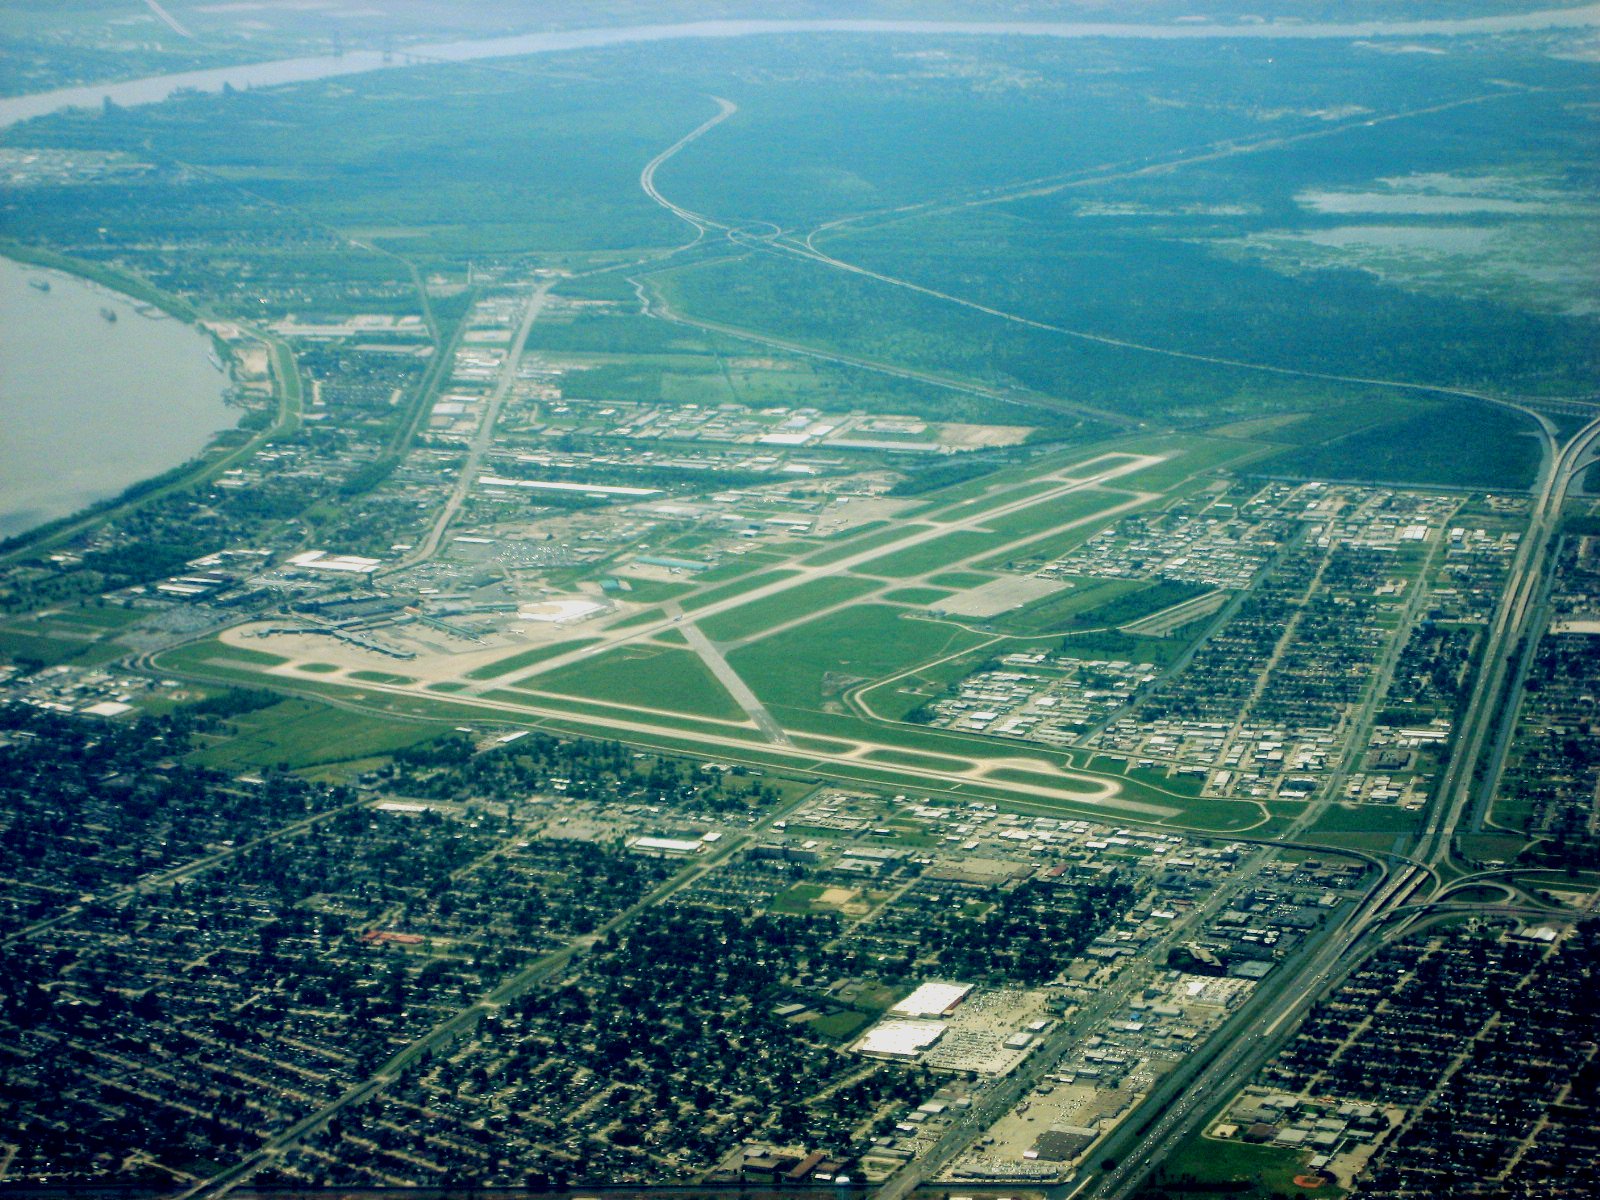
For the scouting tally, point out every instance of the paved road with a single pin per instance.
(1391, 899)
(729, 678)
(647, 177)
(484, 437)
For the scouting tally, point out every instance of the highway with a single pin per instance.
(1007, 1093)
(1258, 1030)
(1518, 602)
(1229, 1058)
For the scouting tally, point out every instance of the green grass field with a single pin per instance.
(381, 677)
(297, 734)
(866, 538)
(794, 604)
(960, 580)
(1077, 607)
(208, 651)
(814, 662)
(527, 658)
(840, 1026)
(1383, 819)
(1050, 515)
(738, 587)
(82, 636)
(1207, 1167)
(933, 555)
(649, 676)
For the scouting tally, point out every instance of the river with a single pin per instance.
(299, 70)
(89, 406)
(92, 406)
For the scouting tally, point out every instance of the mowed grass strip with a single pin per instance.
(302, 733)
(598, 718)
(916, 595)
(1061, 611)
(928, 762)
(19, 646)
(992, 497)
(648, 676)
(961, 580)
(941, 552)
(381, 677)
(526, 658)
(96, 618)
(1050, 515)
(858, 542)
(797, 602)
(738, 587)
(813, 663)
(198, 655)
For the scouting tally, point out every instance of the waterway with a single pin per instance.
(300, 70)
(89, 406)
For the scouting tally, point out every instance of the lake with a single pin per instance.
(89, 406)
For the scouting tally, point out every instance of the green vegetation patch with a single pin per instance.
(1491, 847)
(39, 649)
(96, 617)
(648, 676)
(926, 761)
(1140, 603)
(727, 591)
(744, 564)
(526, 658)
(1049, 515)
(600, 718)
(1447, 444)
(1113, 645)
(801, 899)
(1207, 1167)
(918, 596)
(797, 602)
(858, 543)
(992, 494)
(201, 655)
(945, 551)
(381, 677)
(297, 733)
(640, 618)
(1367, 818)
(961, 580)
(1181, 784)
(1076, 607)
(653, 591)
(815, 662)
(840, 1026)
